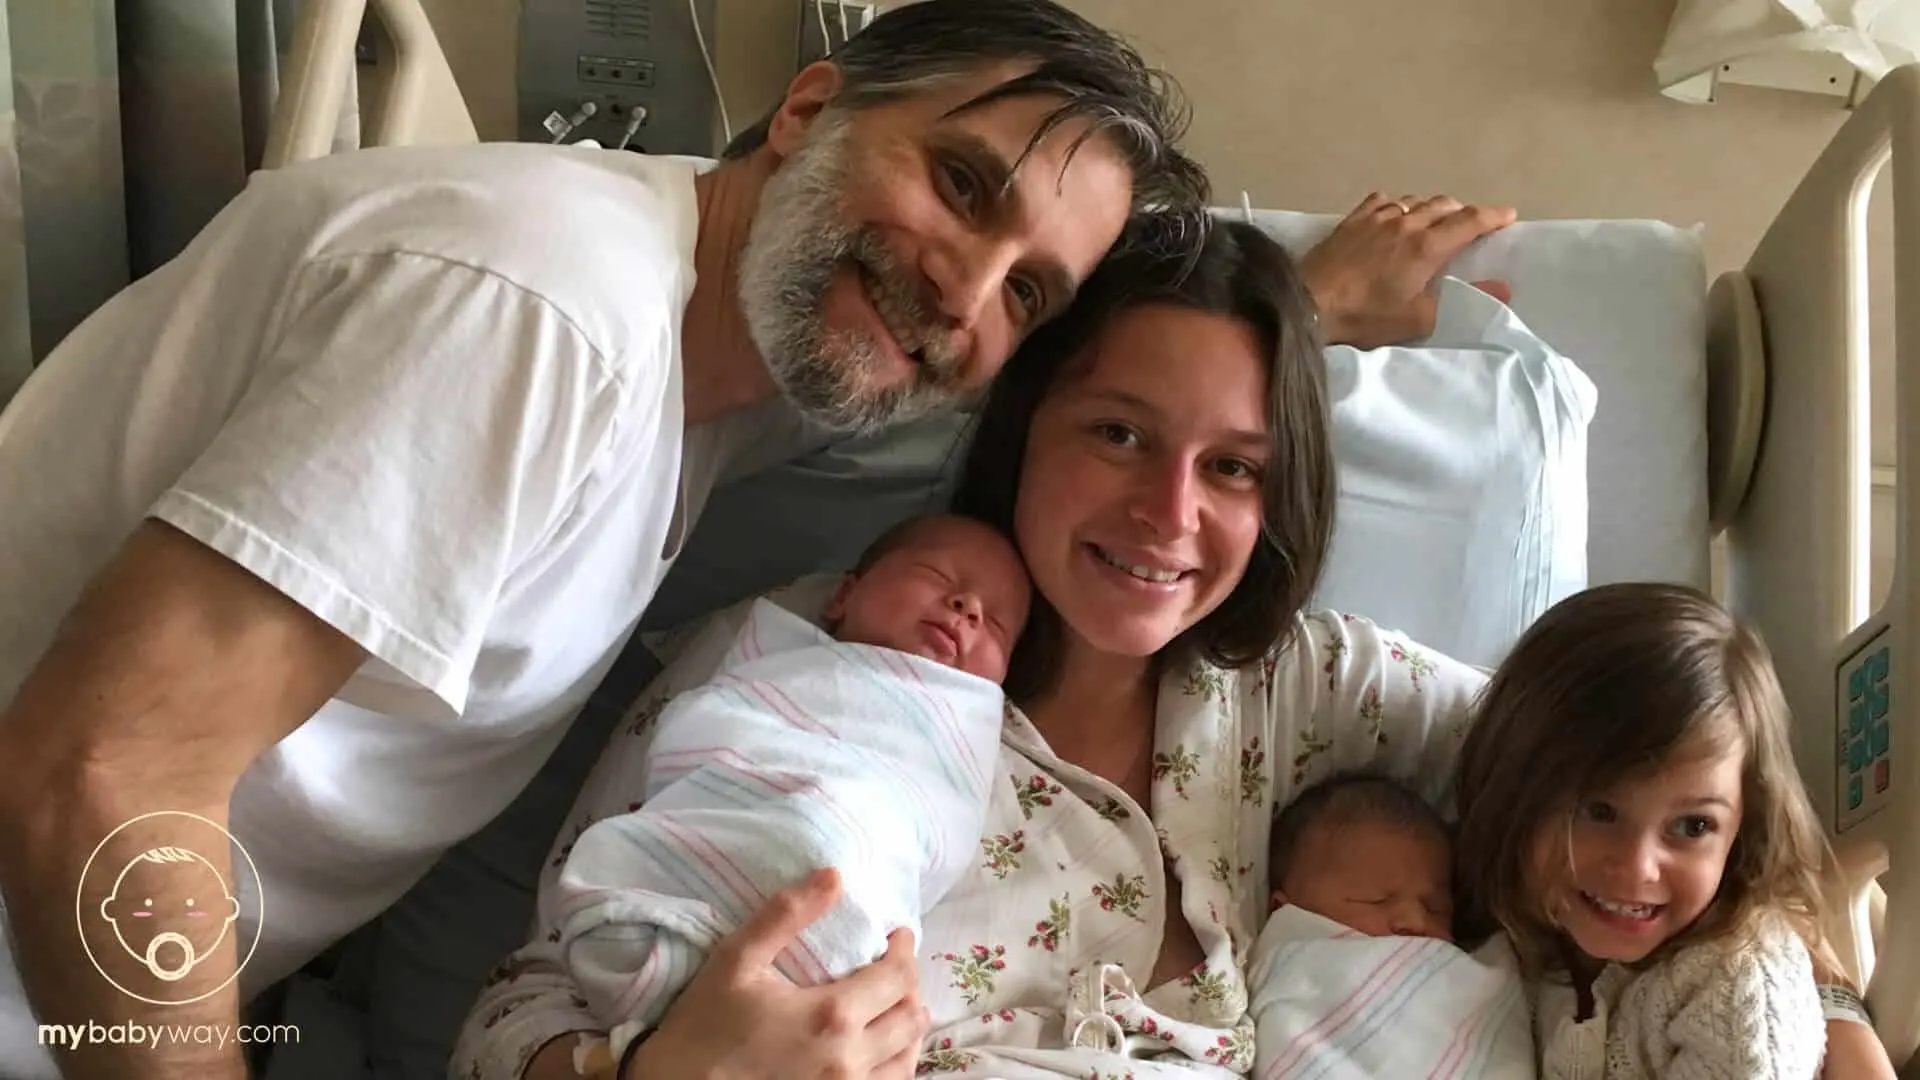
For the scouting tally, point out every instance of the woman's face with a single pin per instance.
(1139, 499)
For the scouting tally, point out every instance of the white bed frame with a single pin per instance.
(1788, 420)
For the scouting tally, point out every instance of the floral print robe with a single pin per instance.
(1032, 966)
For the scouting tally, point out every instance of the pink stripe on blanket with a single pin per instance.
(698, 847)
(1466, 1039)
(1369, 991)
(788, 709)
(975, 769)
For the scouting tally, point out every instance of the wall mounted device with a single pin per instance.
(825, 25)
(634, 71)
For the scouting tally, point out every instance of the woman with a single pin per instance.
(1161, 455)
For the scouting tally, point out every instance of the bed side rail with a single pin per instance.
(1799, 533)
(411, 95)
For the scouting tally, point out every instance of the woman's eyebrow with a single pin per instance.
(1254, 440)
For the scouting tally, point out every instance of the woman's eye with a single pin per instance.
(1117, 434)
(1598, 812)
(1237, 469)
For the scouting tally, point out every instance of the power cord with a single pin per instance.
(560, 127)
(719, 97)
(638, 117)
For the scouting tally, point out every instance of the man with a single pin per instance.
(323, 532)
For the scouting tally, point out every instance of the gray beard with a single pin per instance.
(797, 243)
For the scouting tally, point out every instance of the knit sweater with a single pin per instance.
(1709, 1012)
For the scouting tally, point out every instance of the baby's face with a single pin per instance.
(1381, 880)
(955, 592)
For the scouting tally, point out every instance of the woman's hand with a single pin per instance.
(739, 1019)
(1372, 278)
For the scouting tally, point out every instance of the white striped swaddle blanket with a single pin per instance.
(802, 752)
(1333, 1004)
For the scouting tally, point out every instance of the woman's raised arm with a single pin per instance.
(1345, 694)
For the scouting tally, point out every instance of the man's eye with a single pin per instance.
(965, 189)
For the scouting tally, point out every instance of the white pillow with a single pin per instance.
(1463, 496)
(1628, 300)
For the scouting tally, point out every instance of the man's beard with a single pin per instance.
(798, 241)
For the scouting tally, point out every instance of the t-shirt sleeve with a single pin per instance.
(412, 431)
(1344, 694)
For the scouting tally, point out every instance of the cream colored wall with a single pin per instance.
(1548, 106)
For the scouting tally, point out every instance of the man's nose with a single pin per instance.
(967, 274)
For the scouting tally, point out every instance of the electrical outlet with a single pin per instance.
(825, 25)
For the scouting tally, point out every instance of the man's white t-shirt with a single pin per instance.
(434, 396)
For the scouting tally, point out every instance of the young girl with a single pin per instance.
(1631, 817)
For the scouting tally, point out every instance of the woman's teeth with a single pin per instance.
(1160, 577)
(1625, 911)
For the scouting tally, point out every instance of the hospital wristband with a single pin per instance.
(1841, 1003)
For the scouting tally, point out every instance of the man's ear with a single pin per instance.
(1276, 901)
(810, 92)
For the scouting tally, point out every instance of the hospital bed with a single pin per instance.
(1752, 428)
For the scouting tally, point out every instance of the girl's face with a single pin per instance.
(1647, 856)
(1139, 499)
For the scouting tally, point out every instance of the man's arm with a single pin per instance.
(173, 672)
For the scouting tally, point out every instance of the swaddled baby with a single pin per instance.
(868, 746)
(1356, 974)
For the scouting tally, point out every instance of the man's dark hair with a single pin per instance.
(1101, 78)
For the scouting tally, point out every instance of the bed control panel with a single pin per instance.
(618, 71)
(1863, 723)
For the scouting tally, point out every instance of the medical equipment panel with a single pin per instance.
(637, 73)
(825, 25)
(1863, 726)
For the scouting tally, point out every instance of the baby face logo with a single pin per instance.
(166, 907)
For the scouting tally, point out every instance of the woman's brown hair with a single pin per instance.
(1605, 687)
(1237, 271)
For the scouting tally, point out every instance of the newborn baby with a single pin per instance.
(868, 746)
(1365, 852)
(1356, 974)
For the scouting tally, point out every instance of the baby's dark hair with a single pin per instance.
(1348, 798)
(897, 536)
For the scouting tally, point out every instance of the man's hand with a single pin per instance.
(174, 671)
(1372, 278)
